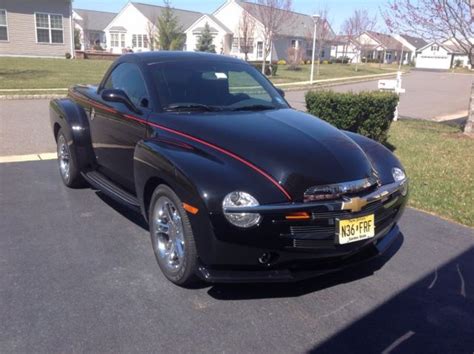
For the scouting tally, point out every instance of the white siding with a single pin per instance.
(429, 59)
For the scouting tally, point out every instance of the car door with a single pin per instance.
(115, 133)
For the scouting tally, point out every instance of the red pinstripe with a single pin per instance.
(190, 137)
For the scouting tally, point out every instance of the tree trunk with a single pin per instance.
(469, 127)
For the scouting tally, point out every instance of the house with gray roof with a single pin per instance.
(91, 26)
(135, 26)
(40, 28)
(229, 37)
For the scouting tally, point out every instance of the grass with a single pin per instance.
(439, 161)
(34, 73)
(329, 71)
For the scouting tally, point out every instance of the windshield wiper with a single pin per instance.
(190, 107)
(255, 107)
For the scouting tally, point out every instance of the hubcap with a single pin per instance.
(168, 235)
(64, 158)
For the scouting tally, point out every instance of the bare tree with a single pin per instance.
(246, 32)
(274, 16)
(324, 35)
(435, 20)
(151, 32)
(359, 22)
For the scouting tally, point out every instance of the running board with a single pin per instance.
(105, 185)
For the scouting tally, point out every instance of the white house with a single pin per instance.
(412, 43)
(344, 47)
(91, 26)
(382, 47)
(227, 32)
(133, 26)
(441, 56)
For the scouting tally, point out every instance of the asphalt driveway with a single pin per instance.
(429, 95)
(77, 274)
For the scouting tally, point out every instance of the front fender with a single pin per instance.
(382, 159)
(72, 119)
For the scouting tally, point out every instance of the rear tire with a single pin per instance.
(172, 238)
(67, 163)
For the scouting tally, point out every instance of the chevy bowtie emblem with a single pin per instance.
(354, 204)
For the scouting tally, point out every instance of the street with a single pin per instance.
(429, 95)
(78, 274)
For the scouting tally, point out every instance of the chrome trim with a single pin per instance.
(337, 190)
(381, 193)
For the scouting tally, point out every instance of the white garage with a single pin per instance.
(434, 56)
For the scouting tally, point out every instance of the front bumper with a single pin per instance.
(298, 249)
(300, 272)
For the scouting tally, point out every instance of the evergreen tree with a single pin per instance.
(170, 34)
(204, 43)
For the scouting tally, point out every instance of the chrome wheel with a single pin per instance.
(168, 235)
(64, 158)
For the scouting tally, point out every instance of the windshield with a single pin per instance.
(213, 86)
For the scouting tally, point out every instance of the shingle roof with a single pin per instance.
(299, 25)
(152, 12)
(94, 20)
(414, 41)
(387, 41)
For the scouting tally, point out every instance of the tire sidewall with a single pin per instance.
(75, 179)
(186, 273)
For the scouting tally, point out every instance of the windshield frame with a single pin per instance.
(278, 100)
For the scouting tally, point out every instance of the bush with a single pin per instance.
(367, 113)
(281, 62)
(457, 63)
(68, 56)
(342, 60)
(258, 66)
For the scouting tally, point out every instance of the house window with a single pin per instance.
(3, 26)
(49, 28)
(114, 40)
(122, 40)
(139, 41)
(294, 43)
(259, 49)
(435, 48)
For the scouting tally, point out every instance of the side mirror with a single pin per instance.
(114, 95)
(280, 91)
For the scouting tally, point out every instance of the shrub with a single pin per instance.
(342, 60)
(367, 113)
(68, 56)
(281, 62)
(258, 66)
(457, 63)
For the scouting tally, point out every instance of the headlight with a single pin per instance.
(398, 174)
(240, 200)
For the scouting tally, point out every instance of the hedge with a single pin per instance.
(367, 113)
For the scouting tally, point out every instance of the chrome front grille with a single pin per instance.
(320, 231)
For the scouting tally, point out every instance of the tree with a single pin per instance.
(359, 22)
(204, 43)
(435, 20)
(274, 15)
(246, 32)
(324, 35)
(170, 34)
(77, 39)
(151, 28)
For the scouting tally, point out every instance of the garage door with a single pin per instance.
(433, 62)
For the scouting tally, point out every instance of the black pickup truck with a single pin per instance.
(235, 185)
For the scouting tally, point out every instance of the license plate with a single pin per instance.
(353, 230)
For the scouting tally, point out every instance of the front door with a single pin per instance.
(115, 133)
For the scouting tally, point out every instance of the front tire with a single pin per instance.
(67, 163)
(172, 237)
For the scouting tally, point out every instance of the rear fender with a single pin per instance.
(72, 119)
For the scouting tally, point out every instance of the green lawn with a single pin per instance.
(27, 73)
(330, 71)
(35, 73)
(439, 161)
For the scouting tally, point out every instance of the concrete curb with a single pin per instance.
(31, 97)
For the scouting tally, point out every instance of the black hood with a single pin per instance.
(295, 148)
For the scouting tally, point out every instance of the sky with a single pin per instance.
(338, 10)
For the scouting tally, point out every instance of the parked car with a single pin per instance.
(235, 185)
